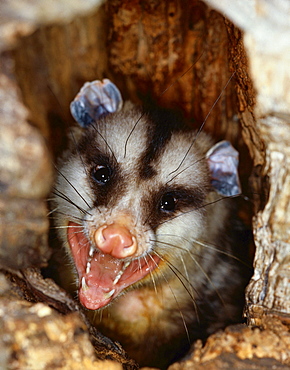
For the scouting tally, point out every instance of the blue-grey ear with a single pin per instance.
(96, 99)
(223, 161)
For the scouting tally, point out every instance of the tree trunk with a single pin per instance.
(266, 132)
(178, 53)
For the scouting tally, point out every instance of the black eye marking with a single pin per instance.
(102, 174)
(168, 203)
(180, 199)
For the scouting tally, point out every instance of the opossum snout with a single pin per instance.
(116, 240)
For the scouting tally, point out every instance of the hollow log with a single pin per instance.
(266, 38)
(229, 75)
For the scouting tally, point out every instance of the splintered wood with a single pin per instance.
(146, 47)
(34, 336)
(240, 347)
(266, 37)
(26, 177)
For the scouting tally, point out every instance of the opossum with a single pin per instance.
(143, 209)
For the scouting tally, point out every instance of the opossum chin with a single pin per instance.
(101, 276)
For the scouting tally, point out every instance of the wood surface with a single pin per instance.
(229, 74)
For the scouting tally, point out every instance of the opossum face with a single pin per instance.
(130, 193)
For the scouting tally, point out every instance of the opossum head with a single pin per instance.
(132, 194)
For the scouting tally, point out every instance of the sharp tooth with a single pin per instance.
(109, 295)
(118, 277)
(91, 251)
(88, 269)
(84, 284)
(121, 272)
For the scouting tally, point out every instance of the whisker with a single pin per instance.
(174, 296)
(202, 125)
(209, 280)
(65, 227)
(131, 132)
(197, 208)
(183, 74)
(63, 196)
(201, 269)
(179, 274)
(205, 245)
(151, 274)
(186, 272)
(213, 248)
(75, 189)
(69, 216)
(105, 141)
(52, 211)
(77, 149)
(163, 92)
(185, 169)
(82, 160)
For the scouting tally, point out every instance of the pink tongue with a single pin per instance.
(99, 288)
(105, 276)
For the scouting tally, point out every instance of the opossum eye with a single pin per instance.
(168, 202)
(102, 174)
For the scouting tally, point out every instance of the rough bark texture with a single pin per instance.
(171, 52)
(239, 347)
(34, 336)
(266, 27)
(181, 54)
(26, 177)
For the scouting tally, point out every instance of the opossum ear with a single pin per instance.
(96, 99)
(223, 162)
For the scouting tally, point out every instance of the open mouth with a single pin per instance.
(101, 276)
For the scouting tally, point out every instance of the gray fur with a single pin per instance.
(193, 291)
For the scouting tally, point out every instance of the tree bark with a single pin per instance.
(178, 53)
(266, 132)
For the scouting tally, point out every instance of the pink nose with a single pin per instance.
(116, 240)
